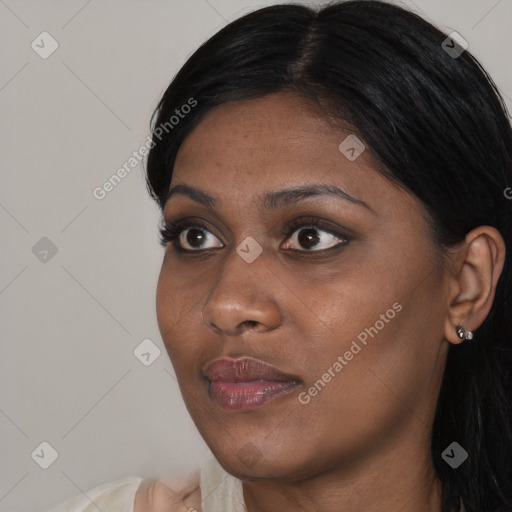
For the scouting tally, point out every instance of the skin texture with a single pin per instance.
(362, 443)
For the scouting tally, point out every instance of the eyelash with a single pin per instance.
(170, 232)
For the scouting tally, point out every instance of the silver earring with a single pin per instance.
(462, 333)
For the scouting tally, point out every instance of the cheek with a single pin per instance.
(387, 329)
(396, 372)
(166, 312)
(172, 306)
(178, 310)
(176, 296)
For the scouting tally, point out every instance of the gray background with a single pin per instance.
(69, 325)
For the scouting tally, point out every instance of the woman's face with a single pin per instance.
(352, 309)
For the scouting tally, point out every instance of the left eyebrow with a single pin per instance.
(270, 200)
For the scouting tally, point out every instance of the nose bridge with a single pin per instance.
(239, 294)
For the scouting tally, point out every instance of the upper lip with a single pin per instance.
(244, 369)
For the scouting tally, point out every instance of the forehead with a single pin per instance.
(242, 149)
(270, 130)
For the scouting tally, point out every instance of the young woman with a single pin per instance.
(335, 294)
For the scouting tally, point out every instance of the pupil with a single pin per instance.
(192, 239)
(311, 236)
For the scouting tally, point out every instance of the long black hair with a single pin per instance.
(438, 126)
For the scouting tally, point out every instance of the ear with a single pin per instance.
(477, 266)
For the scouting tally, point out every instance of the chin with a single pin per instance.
(253, 461)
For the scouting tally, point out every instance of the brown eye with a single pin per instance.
(312, 237)
(192, 238)
(187, 236)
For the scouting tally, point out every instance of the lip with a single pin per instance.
(244, 369)
(246, 383)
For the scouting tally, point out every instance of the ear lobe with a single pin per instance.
(474, 285)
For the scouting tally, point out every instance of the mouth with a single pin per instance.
(246, 383)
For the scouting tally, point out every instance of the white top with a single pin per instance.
(220, 492)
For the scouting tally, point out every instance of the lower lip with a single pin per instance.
(248, 395)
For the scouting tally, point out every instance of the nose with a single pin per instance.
(243, 298)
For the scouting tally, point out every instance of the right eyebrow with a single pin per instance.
(283, 197)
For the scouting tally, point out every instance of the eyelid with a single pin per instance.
(316, 222)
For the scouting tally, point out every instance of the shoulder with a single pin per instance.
(134, 494)
(155, 496)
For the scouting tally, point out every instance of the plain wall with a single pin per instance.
(69, 324)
